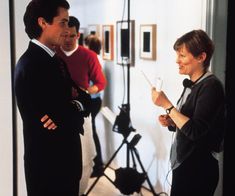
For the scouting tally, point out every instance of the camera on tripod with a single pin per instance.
(122, 122)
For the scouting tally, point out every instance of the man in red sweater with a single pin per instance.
(82, 63)
(84, 68)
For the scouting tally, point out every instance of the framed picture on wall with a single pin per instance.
(94, 30)
(125, 43)
(82, 32)
(148, 41)
(107, 40)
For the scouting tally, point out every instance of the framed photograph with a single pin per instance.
(82, 32)
(94, 30)
(148, 41)
(125, 43)
(107, 40)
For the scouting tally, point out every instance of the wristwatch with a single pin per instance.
(168, 110)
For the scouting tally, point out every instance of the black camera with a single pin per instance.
(122, 122)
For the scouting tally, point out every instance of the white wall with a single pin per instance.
(173, 18)
(5, 104)
(22, 41)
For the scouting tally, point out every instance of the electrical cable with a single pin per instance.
(124, 84)
(123, 11)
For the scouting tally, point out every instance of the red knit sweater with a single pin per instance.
(84, 67)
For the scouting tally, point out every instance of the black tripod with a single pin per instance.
(128, 180)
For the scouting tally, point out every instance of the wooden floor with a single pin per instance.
(104, 187)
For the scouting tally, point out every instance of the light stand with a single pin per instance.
(128, 180)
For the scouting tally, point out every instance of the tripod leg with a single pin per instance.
(133, 159)
(108, 163)
(142, 167)
(127, 156)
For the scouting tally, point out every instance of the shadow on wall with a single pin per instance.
(107, 101)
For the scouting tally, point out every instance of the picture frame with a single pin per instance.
(148, 35)
(125, 51)
(82, 32)
(94, 29)
(107, 40)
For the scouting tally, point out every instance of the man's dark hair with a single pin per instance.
(93, 43)
(48, 9)
(74, 22)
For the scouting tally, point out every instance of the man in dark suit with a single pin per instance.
(51, 107)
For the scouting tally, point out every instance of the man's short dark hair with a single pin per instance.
(48, 9)
(74, 22)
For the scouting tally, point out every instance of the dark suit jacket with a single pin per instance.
(52, 158)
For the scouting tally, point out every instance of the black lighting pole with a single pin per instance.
(14, 118)
(122, 123)
(128, 77)
(128, 63)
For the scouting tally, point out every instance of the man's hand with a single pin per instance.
(48, 123)
(92, 89)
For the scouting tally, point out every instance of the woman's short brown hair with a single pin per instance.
(196, 42)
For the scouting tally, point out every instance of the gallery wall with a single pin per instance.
(172, 19)
(6, 168)
(21, 44)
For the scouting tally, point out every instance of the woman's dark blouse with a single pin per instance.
(205, 106)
